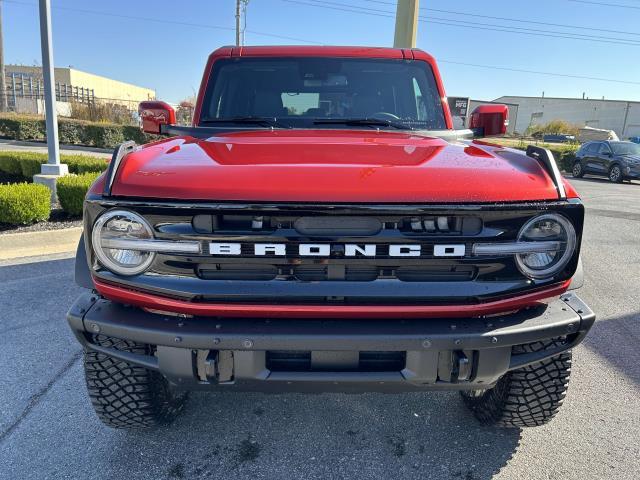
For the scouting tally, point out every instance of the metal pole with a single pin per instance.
(53, 164)
(238, 23)
(626, 117)
(406, 24)
(4, 101)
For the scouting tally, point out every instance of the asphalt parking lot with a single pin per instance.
(48, 429)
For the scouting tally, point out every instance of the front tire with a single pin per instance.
(527, 397)
(577, 171)
(615, 174)
(125, 395)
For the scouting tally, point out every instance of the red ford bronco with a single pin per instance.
(321, 227)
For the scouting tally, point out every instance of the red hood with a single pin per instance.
(330, 166)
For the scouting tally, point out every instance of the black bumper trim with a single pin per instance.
(487, 340)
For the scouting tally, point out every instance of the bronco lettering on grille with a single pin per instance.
(325, 250)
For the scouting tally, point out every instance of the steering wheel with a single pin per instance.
(385, 116)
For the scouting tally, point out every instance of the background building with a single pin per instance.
(623, 117)
(25, 89)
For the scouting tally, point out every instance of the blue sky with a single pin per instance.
(169, 57)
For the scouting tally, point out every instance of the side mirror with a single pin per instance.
(153, 114)
(489, 120)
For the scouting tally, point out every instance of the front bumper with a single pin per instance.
(631, 171)
(228, 353)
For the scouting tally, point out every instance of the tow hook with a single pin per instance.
(214, 366)
(462, 366)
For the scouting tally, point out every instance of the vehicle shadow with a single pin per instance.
(616, 339)
(421, 435)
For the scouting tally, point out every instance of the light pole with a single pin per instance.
(4, 103)
(53, 169)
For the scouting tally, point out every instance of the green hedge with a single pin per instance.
(23, 203)
(71, 191)
(27, 164)
(75, 132)
(565, 154)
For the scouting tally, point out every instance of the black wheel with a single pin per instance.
(128, 396)
(615, 174)
(577, 170)
(527, 397)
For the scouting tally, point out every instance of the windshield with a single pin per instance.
(308, 92)
(625, 148)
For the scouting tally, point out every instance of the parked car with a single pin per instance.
(634, 139)
(559, 138)
(322, 227)
(616, 160)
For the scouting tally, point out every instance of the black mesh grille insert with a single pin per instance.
(353, 273)
(443, 273)
(238, 272)
(300, 361)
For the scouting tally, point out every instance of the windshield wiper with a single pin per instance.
(268, 121)
(373, 122)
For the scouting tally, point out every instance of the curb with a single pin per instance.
(10, 142)
(30, 244)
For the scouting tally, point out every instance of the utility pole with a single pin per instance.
(406, 24)
(53, 168)
(241, 15)
(4, 103)
(238, 22)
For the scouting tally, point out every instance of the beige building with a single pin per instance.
(25, 81)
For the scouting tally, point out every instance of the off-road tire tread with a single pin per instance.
(125, 395)
(527, 397)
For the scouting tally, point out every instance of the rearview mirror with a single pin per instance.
(489, 120)
(154, 114)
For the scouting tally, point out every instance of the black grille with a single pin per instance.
(341, 226)
(310, 273)
(288, 361)
(301, 361)
(336, 278)
(435, 273)
(238, 272)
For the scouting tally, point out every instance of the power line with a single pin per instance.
(474, 65)
(466, 24)
(168, 22)
(537, 72)
(616, 5)
(510, 19)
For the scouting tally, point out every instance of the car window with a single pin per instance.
(299, 91)
(625, 148)
(604, 149)
(592, 148)
(298, 103)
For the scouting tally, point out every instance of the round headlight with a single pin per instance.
(117, 225)
(559, 233)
